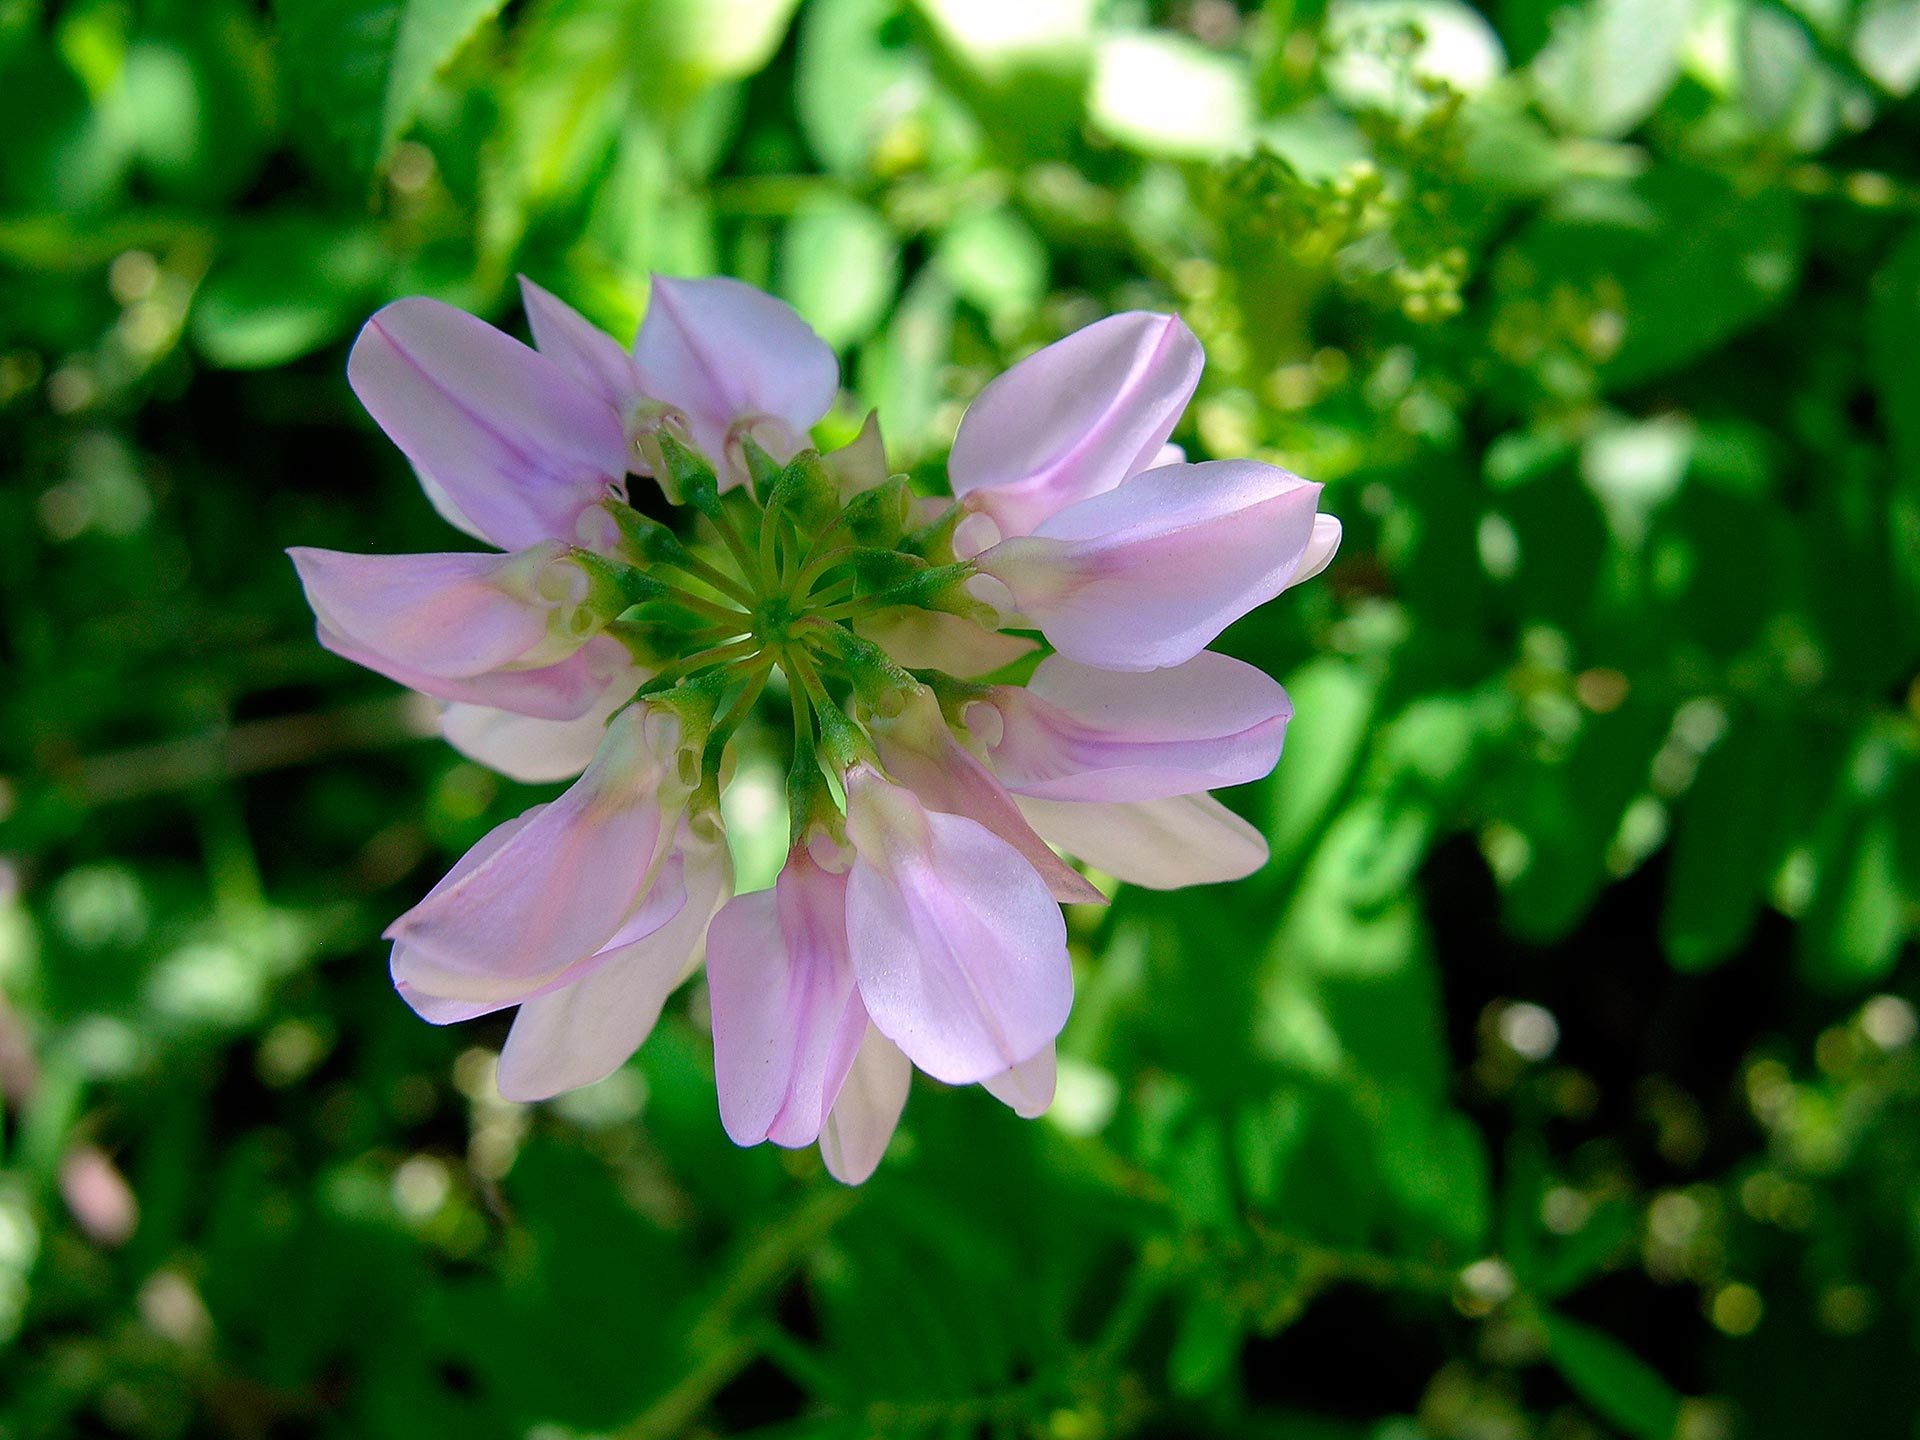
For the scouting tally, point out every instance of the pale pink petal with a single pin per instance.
(502, 437)
(1146, 575)
(960, 952)
(786, 1017)
(935, 640)
(1160, 844)
(564, 691)
(1077, 733)
(581, 348)
(723, 353)
(921, 753)
(866, 1111)
(1074, 419)
(534, 750)
(436, 991)
(1320, 549)
(452, 615)
(550, 896)
(585, 1031)
(1027, 1088)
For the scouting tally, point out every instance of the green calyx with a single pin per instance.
(763, 591)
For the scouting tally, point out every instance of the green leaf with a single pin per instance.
(358, 68)
(851, 86)
(1886, 43)
(1713, 262)
(1851, 934)
(286, 287)
(840, 268)
(1622, 1388)
(1168, 95)
(1610, 63)
(1893, 321)
(1731, 837)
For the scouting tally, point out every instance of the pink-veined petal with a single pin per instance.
(1159, 844)
(960, 952)
(786, 1017)
(453, 615)
(1074, 419)
(549, 897)
(1147, 574)
(436, 991)
(921, 753)
(585, 1031)
(1027, 1088)
(580, 347)
(563, 691)
(534, 750)
(1077, 733)
(867, 1110)
(500, 435)
(723, 353)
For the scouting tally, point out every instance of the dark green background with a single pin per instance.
(1554, 1080)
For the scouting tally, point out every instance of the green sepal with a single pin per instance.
(805, 491)
(689, 477)
(650, 539)
(878, 517)
(874, 673)
(618, 586)
(762, 469)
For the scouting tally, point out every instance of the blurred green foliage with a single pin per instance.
(1558, 1078)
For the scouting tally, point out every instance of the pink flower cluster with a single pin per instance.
(934, 764)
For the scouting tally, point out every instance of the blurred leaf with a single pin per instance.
(1610, 62)
(1886, 43)
(1167, 95)
(1206, 1347)
(285, 287)
(997, 263)
(1851, 933)
(360, 67)
(1570, 811)
(1737, 822)
(1621, 1387)
(851, 84)
(840, 268)
(1893, 321)
(1712, 262)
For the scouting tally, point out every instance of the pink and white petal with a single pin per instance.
(921, 753)
(580, 347)
(1026, 1089)
(720, 351)
(453, 614)
(512, 443)
(1320, 549)
(585, 1031)
(780, 980)
(960, 952)
(1078, 733)
(553, 894)
(1074, 419)
(563, 691)
(867, 1110)
(536, 750)
(1146, 575)
(935, 640)
(437, 993)
(1159, 844)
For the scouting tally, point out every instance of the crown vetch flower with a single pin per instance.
(916, 923)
